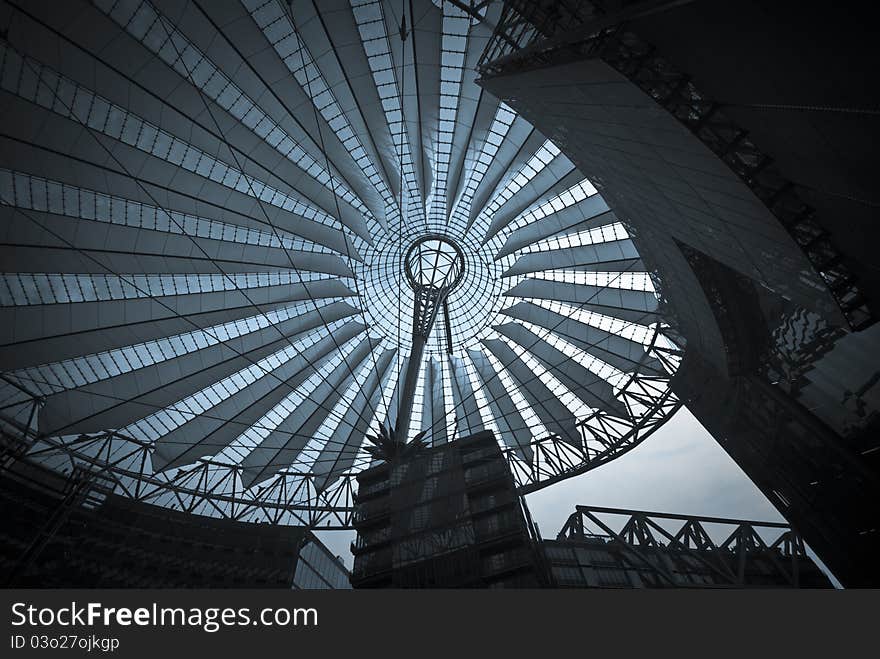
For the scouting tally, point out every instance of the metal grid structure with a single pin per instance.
(717, 551)
(205, 295)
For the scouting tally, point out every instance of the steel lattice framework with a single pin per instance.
(720, 547)
(206, 211)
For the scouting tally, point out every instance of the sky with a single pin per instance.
(679, 469)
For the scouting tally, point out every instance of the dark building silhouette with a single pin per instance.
(69, 532)
(444, 517)
(733, 143)
(617, 548)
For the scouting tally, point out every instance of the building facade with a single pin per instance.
(448, 516)
(318, 569)
(73, 533)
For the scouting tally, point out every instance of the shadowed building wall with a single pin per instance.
(448, 517)
(70, 533)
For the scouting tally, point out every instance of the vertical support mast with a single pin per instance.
(434, 266)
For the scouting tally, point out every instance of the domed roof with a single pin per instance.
(207, 209)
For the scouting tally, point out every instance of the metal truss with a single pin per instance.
(216, 489)
(84, 487)
(149, 471)
(644, 535)
(597, 34)
(205, 488)
(649, 402)
(525, 23)
(18, 423)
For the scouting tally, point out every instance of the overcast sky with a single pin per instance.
(678, 469)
